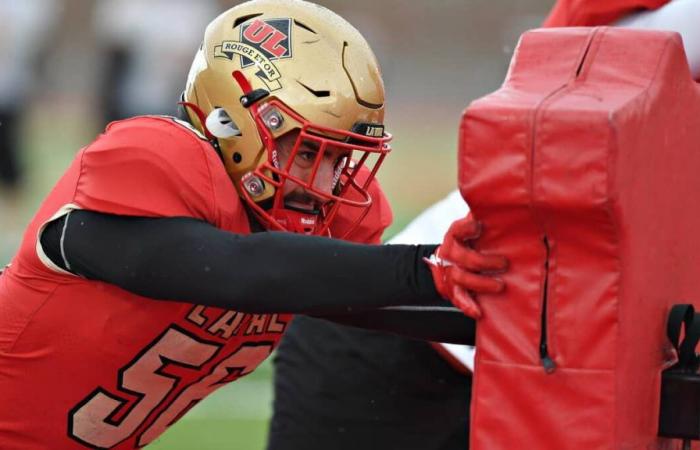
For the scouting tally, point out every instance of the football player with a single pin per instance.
(168, 259)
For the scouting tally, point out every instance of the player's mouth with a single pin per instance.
(303, 203)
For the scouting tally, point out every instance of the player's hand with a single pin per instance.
(460, 272)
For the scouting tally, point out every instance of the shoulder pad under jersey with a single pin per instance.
(184, 124)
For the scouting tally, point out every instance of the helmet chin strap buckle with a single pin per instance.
(253, 96)
(250, 96)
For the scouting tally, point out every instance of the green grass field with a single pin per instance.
(236, 416)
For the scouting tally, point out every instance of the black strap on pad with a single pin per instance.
(683, 316)
(679, 415)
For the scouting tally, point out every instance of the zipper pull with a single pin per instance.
(547, 362)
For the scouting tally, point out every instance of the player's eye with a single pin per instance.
(308, 155)
(305, 157)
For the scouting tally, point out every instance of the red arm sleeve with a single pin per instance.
(583, 13)
(150, 167)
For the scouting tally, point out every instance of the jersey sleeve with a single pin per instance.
(586, 13)
(150, 167)
(378, 219)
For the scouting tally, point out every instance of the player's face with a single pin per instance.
(321, 175)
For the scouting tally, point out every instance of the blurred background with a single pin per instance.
(68, 67)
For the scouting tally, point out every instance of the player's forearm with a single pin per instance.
(188, 260)
(438, 324)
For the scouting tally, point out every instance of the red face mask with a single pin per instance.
(360, 156)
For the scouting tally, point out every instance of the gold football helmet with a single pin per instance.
(268, 67)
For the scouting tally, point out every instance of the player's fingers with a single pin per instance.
(465, 302)
(475, 282)
(470, 259)
(464, 229)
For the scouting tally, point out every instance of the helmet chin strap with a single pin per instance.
(201, 116)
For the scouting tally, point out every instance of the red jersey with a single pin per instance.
(588, 13)
(86, 364)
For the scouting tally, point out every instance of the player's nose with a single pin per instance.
(323, 181)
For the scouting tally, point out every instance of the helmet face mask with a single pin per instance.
(271, 69)
(313, 152)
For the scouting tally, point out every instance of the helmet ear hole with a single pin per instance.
(237, 158)
(219, 124)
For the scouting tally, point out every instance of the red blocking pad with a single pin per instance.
(585, 171)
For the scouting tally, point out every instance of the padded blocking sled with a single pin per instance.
(585, 170)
